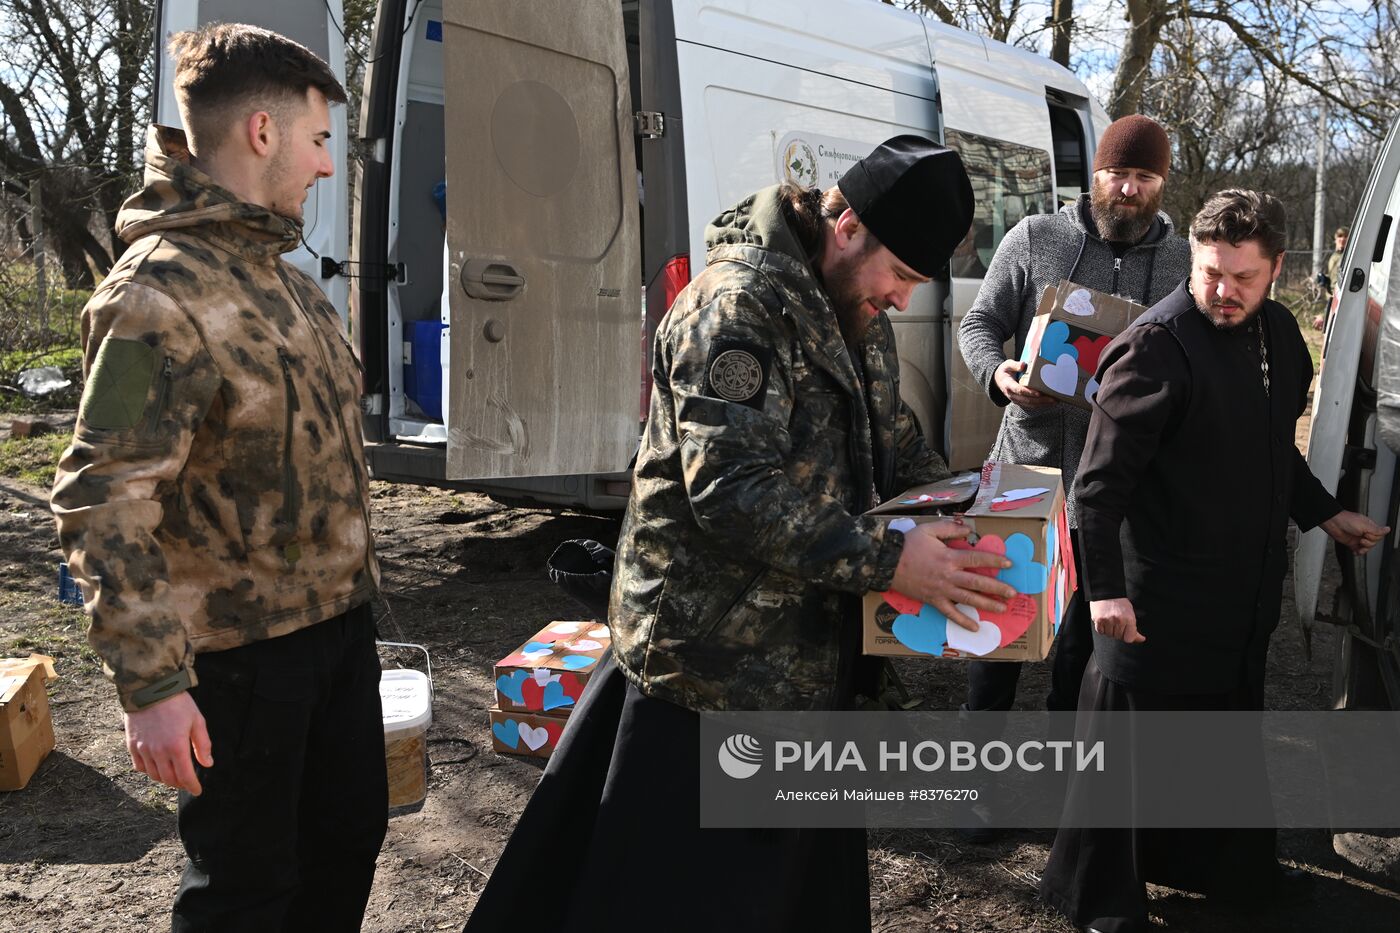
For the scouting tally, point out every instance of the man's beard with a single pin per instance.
(1212, 313)
(847, 301)
(1123, 220)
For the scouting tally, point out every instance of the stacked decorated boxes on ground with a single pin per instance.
(1072, 327)
(538, 685)
(1016, 511)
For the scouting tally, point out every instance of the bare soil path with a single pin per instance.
(89, 845)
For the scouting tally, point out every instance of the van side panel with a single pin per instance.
(772, 93)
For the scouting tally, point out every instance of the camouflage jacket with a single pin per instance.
(744, 529)
(215, 492)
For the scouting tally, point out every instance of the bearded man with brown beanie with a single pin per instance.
(1113, 239)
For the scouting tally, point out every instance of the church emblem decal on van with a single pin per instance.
(800, 164)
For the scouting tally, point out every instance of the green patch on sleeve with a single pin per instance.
(115, 396)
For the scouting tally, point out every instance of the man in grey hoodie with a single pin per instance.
(1116, 240)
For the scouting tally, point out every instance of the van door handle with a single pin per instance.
(491, 280)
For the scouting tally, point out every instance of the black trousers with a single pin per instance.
(294, 810)
(991, 685)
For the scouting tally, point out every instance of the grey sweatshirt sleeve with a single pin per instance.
(995, 316)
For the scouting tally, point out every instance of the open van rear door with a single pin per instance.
(1342, 360)
(544, 257)
(316, 25)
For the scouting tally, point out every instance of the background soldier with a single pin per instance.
(775, 423)
(214, 504)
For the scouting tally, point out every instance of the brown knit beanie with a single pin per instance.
(1134, 142)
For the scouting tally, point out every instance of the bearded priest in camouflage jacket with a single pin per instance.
(214, 508)
(775, 423)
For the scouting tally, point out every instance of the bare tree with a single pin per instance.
(75, 98)
(1327, 48)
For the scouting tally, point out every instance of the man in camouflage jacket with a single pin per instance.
(214, 506)
(775, 422)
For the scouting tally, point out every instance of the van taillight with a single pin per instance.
(675, 276)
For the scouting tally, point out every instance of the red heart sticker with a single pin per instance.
(572, 686)
(906, 605)
(1089, 351)
(555, 731)
(531, 694)
(992, 544)
(1020, 613)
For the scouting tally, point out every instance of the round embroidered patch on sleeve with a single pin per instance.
(736, 375)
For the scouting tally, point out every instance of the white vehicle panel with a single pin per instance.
(1332, 401)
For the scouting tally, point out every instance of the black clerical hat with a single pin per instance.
(914, 196)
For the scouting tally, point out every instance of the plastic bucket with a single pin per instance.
(405, 697)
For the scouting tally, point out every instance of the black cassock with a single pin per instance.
(1189, 477)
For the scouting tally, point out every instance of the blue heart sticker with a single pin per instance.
(555, 697)
(1025, 575)
(577, 662)
(508, 732)
(1052, 545)
(510, 684)
(926, 633)
(536, 646)
(1055, 342)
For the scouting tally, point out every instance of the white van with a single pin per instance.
(584, 145)
(1353, 445)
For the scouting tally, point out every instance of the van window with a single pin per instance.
(1009, 182)
(1067, 130)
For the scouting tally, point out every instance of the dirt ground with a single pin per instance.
(90, 845)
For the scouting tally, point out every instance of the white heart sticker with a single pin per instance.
(599, 632)
(1079, 303)
(534, 739)
(983, 641)
(903, 524)
(585, 644)
(566, 628)
(537, 653)
(1015, 495)
(544, 676)
(1061, 376)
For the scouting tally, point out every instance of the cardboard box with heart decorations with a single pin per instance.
(1019, 512)
(539, 683)
(1072, 326)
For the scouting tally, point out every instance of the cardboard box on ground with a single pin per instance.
(539, 683)
(1018, 511)
(1072, 326)
(26, 729)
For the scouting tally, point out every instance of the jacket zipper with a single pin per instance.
(1117, 268)
(743, 591)
(167, 375)
(340, 418)
(289, 504)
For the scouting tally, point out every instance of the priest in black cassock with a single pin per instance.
(1189, 478)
